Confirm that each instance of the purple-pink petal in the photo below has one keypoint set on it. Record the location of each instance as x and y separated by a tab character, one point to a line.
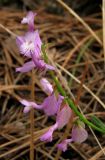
29	19
40	64
38	40
79	133
60	99
64	144
48	136
63	116
19	40
49	67
26	67
51	104
26	109
28	105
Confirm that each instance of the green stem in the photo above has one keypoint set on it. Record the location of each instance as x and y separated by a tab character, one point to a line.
72	105
74	108
68	100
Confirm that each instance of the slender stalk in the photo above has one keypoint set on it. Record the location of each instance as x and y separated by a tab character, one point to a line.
73	107
32	120
68	100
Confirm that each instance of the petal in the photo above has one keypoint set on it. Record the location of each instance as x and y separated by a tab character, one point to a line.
38	63
48	135
38	44
38	39
33	36
49	67
63	116
63	145
26	67
27	109
29	19
30	36
79	134
19	40
46	86
30	103
50	105
25	102
60	99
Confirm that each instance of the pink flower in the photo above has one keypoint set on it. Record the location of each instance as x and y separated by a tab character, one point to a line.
48	135
46	86
29	19
61	120
50	105
79	135
63	145
28	66
30	46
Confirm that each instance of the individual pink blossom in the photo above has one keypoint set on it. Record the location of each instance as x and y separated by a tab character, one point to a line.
64	144
50	105
78	135
30	46
61	120
29	19
28	66
46	86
